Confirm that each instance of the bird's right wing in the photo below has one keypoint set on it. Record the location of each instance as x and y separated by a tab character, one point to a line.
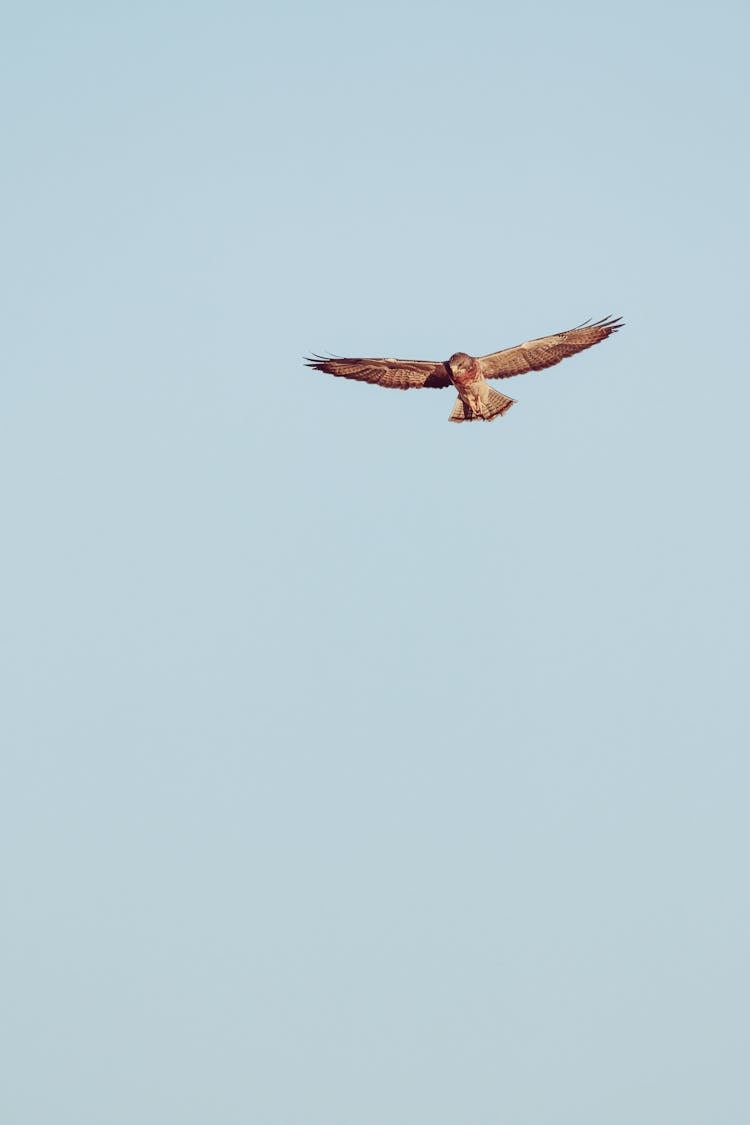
403	374
547	350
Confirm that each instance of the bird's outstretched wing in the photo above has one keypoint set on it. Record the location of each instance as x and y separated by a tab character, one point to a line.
403	374
547	350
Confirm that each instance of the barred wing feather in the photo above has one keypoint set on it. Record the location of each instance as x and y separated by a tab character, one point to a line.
535	355
402	374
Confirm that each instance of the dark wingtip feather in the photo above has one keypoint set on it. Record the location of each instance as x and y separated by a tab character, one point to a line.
610	322
316	361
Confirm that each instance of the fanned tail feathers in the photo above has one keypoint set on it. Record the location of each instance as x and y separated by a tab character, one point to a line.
495	403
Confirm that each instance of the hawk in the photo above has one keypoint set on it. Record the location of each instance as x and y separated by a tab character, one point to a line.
469	374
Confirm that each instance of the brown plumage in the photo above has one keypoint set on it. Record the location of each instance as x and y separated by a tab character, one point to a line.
469	374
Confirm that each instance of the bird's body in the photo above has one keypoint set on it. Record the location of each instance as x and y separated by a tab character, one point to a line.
469	374
476	398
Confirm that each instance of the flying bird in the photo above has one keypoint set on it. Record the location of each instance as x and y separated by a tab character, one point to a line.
469	374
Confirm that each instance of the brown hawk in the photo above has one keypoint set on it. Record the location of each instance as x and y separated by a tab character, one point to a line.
469	374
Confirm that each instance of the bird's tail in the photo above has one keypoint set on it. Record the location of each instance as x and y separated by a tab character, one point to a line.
494	404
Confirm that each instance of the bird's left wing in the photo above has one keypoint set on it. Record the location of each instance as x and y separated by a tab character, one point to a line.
403	374
547	350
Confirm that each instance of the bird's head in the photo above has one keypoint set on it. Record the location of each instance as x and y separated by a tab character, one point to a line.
460	363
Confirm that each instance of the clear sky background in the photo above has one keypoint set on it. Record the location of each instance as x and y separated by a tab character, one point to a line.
359	768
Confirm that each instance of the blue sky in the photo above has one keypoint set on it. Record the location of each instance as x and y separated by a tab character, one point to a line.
359	767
